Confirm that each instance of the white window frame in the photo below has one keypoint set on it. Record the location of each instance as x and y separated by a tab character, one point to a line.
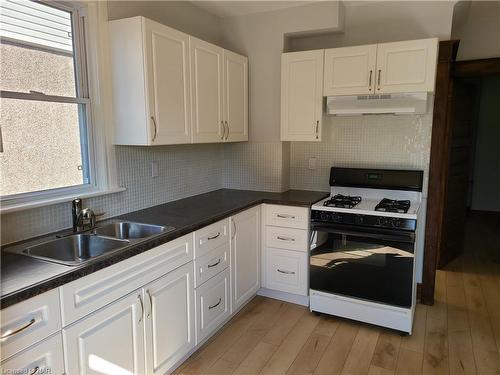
92	73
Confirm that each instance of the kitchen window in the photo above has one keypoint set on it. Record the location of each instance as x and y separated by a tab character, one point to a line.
50	148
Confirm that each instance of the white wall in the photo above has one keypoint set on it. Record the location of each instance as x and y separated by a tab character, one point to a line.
260	37
486	176
181	15
477	25
385	21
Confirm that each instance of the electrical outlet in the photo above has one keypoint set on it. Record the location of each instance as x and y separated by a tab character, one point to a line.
312	163
154	169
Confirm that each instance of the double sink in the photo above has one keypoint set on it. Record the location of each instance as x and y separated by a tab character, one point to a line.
83	247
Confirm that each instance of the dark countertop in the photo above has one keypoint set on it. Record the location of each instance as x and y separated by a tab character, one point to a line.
23	277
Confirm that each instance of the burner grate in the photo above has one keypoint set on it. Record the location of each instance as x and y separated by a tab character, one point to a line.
342	201
391	205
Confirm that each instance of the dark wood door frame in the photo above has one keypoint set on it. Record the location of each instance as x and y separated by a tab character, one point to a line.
447	70
438	167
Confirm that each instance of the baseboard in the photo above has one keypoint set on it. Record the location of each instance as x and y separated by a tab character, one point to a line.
284	296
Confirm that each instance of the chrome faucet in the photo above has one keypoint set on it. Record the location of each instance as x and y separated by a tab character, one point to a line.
81	216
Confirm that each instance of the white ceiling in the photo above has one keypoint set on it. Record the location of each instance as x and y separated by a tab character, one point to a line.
242	7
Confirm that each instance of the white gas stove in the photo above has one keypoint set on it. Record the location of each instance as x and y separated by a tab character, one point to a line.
362	257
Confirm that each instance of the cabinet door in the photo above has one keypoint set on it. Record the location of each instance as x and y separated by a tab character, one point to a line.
301	95
110	341
245	256
207	91
350	70
235	97
167	59
46	357
170	333
408	66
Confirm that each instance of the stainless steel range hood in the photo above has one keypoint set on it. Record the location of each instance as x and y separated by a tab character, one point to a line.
406	103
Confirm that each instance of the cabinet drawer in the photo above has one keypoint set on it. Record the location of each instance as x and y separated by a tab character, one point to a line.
287	271
211	264
287	216
85	295
287	238
30	321
46	357
211	237
212	305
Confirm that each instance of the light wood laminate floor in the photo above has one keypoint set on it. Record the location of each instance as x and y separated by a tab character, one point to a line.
460	334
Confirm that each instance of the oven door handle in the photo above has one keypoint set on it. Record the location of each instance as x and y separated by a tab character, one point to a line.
406	237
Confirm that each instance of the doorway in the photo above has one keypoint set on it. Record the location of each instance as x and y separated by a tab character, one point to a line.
465	161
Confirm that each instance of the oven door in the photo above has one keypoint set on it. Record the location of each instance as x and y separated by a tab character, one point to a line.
369	264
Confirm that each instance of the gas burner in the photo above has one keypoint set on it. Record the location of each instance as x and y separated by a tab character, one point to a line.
391	205
343	201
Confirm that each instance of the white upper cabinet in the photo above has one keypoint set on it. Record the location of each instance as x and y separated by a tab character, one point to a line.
408	66
301	95
235	97
151	83
207	88
171	88
167	61
350	70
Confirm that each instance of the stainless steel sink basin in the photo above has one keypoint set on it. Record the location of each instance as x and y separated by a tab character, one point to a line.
76	249
130	231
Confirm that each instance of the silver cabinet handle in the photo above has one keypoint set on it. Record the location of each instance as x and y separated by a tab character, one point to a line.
156	130
227	125
286	272
217	304
234	227
142	307
283	216
223	130
285	238
378	79
317	128
35	370
370	81
213	237
150	303
11	333
215	264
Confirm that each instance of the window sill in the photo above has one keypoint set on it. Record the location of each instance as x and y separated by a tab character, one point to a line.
14	207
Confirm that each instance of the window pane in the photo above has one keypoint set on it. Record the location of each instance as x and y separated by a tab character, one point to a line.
36	51
42	146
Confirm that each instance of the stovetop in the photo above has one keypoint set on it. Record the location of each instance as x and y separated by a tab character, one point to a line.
395	202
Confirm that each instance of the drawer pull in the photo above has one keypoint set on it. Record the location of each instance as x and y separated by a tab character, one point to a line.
11	333
284	216
35	370
214	237
215	264
286	272
214	306
285	238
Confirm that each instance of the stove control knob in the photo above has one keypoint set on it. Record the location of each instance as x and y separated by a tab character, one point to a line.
396	223
337	218
324	216
359	219
383	221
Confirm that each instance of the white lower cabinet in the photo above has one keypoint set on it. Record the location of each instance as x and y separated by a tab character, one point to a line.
170	331
287	271
245	256
109	341
212	305
46	357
